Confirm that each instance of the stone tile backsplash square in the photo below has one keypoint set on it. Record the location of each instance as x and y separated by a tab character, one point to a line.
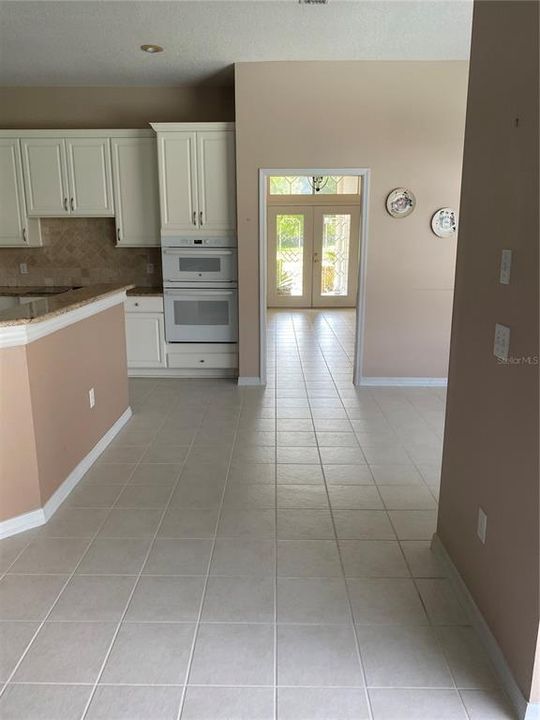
79	251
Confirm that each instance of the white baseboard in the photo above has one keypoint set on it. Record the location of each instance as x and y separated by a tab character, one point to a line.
38	517
403	382
524	709
179	373
247	381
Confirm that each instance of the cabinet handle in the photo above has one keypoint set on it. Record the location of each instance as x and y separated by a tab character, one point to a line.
195	218
200	219
201	361
119	239
65	204
72	204
24	235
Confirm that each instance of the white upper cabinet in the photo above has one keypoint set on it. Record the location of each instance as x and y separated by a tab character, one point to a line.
196	178
15	229
136	192
67	176
89	173
178	181
45	176
216	180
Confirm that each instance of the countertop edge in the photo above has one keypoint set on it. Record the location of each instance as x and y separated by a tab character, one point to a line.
23	330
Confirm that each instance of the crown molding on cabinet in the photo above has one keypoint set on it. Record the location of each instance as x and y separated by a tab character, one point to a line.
105	132
192	127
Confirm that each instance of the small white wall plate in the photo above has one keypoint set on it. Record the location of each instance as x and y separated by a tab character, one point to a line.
400	202
444	222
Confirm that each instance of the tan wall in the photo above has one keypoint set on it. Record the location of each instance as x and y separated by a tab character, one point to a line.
111	107
19	484
491	441
47	426
405	121
63	367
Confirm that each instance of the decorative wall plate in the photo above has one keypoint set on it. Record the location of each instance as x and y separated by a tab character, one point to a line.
444	222
400	202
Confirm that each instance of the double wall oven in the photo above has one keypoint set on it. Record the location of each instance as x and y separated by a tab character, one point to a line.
200	289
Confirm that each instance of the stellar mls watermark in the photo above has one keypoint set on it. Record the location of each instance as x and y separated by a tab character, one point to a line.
519	360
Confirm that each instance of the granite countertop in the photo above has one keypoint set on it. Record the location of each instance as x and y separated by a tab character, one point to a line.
44	309
38	290
140	290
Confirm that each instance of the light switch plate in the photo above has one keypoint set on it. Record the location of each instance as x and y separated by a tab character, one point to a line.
91	397
149	268
481	530
23	268
506	267
501	344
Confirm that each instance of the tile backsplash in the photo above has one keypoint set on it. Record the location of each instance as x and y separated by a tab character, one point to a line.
79	251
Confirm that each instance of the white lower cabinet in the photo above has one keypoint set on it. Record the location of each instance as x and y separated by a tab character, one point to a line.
210	356
148	353
145	332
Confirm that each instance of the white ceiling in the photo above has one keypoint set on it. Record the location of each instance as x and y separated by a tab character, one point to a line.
97	43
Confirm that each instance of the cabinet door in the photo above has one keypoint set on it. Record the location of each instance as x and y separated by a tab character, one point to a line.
216	181
12	210
90	180
45	179
178	181
136	192
145	339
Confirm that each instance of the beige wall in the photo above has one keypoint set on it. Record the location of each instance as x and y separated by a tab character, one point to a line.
47	426
491	441
111	107
405	121
19	484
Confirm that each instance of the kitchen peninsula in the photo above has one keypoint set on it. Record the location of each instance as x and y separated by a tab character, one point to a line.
63	396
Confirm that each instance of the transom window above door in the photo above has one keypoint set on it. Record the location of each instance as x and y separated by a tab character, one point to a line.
314	185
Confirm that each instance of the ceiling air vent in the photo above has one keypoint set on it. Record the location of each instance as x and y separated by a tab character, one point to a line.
313	2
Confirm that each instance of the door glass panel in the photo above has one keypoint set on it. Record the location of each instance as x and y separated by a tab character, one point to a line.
306	185
335	254
201	312
290	255
199	264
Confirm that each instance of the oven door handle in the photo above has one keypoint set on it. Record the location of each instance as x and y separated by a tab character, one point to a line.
203	293
197	251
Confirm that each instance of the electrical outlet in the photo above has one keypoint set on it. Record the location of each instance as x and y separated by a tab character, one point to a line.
506	267
482	525
23	268
501	344
149	268
91	397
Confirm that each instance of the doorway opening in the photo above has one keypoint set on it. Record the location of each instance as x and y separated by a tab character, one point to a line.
313	242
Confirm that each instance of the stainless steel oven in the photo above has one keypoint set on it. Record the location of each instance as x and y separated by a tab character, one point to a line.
201	314
201	265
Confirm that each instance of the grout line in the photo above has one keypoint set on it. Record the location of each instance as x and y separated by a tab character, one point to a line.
139	575
70	576
208	568
344	577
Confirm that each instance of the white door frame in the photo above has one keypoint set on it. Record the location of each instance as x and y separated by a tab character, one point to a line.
364	173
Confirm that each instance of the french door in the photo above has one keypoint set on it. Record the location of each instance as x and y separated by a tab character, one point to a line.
313	255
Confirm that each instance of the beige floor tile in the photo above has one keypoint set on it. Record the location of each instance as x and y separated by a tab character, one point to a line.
134	703
319	655
416	705
66	652
322	703
43	702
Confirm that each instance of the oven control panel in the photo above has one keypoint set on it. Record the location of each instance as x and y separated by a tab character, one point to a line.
211	242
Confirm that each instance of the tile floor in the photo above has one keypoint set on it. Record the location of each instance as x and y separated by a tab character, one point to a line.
249	554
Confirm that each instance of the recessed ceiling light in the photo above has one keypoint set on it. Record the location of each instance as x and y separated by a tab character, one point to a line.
151	49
